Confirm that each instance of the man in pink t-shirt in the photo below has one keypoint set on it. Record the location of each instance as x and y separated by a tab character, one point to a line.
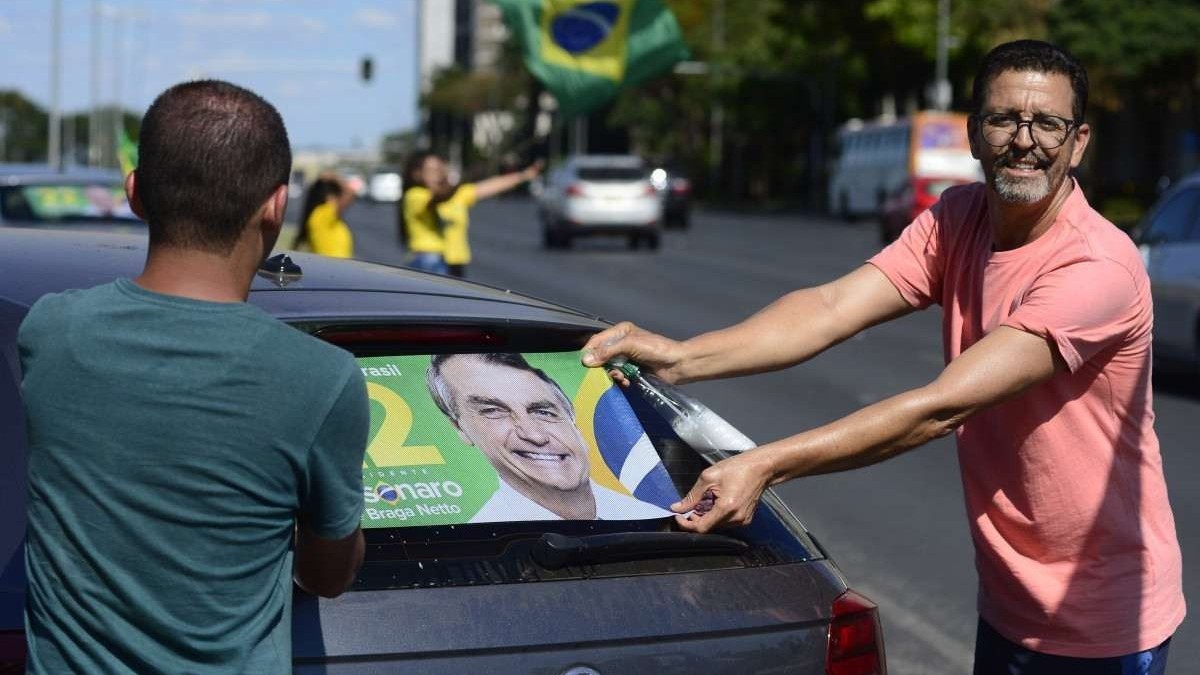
1047	329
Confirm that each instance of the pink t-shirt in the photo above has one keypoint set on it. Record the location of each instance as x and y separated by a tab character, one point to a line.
1074	538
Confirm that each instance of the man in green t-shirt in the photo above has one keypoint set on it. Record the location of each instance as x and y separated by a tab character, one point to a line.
170	483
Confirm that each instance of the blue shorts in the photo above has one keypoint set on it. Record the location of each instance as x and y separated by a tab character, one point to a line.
995	655
429	262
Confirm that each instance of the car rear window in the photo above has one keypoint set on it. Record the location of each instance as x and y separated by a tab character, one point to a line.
437	510
504	437
65	203
613	174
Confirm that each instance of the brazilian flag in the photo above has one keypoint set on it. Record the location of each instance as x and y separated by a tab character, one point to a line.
584	51
127	150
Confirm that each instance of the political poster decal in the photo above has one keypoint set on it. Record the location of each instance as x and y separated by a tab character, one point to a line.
476	438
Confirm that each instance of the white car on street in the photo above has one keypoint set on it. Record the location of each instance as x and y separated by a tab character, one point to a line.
600	194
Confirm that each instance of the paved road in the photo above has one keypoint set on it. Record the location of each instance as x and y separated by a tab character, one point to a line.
898	530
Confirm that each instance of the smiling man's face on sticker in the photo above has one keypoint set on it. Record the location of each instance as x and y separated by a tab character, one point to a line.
523	424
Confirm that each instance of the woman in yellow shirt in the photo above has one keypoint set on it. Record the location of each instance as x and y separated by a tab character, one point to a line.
434	213
321	226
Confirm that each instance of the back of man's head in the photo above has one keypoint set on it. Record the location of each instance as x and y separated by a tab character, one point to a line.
1032	56
209	154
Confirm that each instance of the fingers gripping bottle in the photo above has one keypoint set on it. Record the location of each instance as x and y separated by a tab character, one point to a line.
695	423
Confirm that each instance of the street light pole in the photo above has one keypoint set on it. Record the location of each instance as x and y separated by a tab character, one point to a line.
94	86
118	118
716	129
942	75
54	141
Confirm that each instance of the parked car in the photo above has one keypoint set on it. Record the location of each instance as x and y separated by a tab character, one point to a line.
33	195
501	597
600	194
384	185
1169	238
904	205
676	192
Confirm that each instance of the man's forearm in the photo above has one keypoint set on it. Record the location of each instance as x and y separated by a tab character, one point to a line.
1004	364
790	330
870	435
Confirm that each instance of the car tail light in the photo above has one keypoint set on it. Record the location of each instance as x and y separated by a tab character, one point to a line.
855	638
422	336
681	185
575	190
12	651
649	191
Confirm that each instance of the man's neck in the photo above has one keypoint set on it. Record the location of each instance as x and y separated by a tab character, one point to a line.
1015	225
197	275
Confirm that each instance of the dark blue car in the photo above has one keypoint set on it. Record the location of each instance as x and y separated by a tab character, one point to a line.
441	593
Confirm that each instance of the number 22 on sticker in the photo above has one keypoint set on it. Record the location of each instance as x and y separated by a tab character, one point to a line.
387	448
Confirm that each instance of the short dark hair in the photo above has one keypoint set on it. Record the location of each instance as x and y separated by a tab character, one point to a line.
209	154
1031	56
444	400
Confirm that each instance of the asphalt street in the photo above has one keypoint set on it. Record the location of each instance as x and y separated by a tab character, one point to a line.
898	530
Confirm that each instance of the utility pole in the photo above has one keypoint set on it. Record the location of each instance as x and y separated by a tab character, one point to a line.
942	74
716	129
94	89
118	118
54	142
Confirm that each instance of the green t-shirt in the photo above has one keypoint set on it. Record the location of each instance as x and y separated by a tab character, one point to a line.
172	444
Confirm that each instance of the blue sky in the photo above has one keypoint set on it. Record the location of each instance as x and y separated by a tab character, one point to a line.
302	55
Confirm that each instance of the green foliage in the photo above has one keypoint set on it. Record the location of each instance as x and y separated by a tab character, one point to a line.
466	93
24	125
788	72
1153	43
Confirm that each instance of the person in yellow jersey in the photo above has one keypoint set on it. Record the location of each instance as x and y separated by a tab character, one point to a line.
434	214
322	229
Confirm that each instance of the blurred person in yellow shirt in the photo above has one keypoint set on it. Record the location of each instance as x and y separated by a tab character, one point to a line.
322	229
434	214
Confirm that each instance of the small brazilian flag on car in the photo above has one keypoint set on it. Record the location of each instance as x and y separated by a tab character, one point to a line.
584	51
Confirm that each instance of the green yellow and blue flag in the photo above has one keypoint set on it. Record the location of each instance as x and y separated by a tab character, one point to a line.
584	51
127	151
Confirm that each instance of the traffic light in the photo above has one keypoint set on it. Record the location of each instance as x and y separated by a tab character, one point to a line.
365	68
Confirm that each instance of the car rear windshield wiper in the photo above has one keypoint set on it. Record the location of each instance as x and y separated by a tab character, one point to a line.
555	551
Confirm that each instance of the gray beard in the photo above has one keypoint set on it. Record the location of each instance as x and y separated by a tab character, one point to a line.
1021	190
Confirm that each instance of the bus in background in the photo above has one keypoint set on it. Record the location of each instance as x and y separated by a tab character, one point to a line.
927	150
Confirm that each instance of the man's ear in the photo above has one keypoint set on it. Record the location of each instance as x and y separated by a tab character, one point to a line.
972	134
1082	135
131	193
275	208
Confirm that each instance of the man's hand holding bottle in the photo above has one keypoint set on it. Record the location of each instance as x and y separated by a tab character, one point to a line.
656	354
727	493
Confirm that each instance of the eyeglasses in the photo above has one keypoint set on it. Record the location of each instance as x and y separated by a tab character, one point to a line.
1048	131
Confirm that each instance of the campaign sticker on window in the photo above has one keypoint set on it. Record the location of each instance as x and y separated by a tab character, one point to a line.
480	438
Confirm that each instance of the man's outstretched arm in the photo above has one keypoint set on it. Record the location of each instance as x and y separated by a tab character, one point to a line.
790	330
1000	366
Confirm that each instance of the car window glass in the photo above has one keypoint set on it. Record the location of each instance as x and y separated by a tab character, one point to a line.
50	203
486	438
1176	219
611	173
